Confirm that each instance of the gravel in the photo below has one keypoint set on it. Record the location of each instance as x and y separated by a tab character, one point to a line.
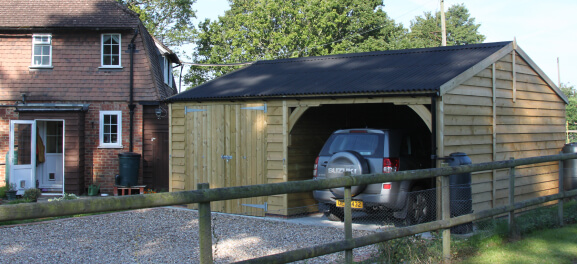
162	235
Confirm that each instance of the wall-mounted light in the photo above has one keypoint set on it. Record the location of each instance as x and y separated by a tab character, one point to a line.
160	112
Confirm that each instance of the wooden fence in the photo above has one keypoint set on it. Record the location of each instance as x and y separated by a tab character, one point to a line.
204	196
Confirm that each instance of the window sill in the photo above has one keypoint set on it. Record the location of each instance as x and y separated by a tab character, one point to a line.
110	147
41	67
110	68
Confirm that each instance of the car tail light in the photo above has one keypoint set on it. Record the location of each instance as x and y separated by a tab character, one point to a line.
358	131
386	186
390	165
316	168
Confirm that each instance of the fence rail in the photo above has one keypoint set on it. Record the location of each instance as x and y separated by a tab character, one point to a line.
205	196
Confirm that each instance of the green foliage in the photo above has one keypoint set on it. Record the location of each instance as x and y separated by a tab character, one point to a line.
66	196
266	29
490	234
413	249
3	191
570	109
460	26
19	201
32	194
170	21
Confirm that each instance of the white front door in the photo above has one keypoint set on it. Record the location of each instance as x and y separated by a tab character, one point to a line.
22	154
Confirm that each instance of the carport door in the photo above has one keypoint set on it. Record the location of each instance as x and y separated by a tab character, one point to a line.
225	147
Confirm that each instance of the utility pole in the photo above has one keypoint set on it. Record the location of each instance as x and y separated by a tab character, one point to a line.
558	73
443	27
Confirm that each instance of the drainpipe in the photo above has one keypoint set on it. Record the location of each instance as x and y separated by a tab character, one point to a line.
131	105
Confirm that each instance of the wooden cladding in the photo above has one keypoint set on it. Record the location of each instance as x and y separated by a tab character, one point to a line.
505	111
223	145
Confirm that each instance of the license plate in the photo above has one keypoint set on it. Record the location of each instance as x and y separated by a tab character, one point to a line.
354	204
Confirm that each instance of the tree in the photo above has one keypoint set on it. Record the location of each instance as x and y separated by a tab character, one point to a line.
269	29
461	28
170	21
570	109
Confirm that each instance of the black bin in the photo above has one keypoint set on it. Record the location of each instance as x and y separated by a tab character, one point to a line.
461	201
570	168
128	162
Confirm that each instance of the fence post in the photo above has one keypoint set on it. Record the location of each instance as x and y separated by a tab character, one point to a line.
348	221
512	225
204	229
446	211
561	190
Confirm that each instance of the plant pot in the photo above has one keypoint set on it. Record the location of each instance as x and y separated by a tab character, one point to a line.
11	195
93	190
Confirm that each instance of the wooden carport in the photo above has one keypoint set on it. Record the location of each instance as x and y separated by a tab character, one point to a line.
265	123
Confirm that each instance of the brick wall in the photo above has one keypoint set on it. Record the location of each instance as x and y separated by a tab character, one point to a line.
101	164
6	114
77	78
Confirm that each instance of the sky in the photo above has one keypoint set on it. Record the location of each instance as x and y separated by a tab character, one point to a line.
545	29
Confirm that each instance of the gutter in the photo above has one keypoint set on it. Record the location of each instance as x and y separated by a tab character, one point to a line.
296	97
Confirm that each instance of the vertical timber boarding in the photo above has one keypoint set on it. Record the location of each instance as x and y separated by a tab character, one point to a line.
220	144
491	119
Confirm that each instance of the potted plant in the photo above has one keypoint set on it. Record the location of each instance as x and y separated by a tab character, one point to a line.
11	193
32	194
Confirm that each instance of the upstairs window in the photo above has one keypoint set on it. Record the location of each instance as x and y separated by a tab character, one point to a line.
111	50
41	50
167	68
110	129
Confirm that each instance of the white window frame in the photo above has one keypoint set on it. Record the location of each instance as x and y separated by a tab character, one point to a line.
167	71
37	40
117	144
102	65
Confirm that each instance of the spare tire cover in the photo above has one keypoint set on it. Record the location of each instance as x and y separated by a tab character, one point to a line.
346	161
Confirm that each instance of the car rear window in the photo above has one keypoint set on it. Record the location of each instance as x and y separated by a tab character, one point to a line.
364	144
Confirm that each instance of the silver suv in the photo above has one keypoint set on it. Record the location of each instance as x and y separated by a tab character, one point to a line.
364	151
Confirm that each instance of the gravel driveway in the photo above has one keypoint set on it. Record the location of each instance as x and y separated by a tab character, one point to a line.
161	235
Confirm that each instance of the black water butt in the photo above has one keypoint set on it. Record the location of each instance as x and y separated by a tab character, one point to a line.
129	163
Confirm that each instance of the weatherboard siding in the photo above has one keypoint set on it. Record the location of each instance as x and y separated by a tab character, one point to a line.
528	122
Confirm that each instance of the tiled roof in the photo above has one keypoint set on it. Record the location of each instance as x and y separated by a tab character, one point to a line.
156	59
398	71
32	14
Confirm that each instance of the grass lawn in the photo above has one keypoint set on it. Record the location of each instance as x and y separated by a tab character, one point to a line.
557	245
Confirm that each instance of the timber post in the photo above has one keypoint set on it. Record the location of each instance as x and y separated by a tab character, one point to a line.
348	221
512	225
561	191
205	228
446	212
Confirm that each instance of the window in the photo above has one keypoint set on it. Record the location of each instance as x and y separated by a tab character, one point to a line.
167	68
111	50
42	50
110	129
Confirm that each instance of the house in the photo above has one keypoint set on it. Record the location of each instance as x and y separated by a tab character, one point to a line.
266	123
81	81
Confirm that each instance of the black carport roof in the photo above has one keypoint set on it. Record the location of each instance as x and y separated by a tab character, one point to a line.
382	72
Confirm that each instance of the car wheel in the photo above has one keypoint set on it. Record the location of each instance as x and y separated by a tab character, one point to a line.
346	161
419	209
334	214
